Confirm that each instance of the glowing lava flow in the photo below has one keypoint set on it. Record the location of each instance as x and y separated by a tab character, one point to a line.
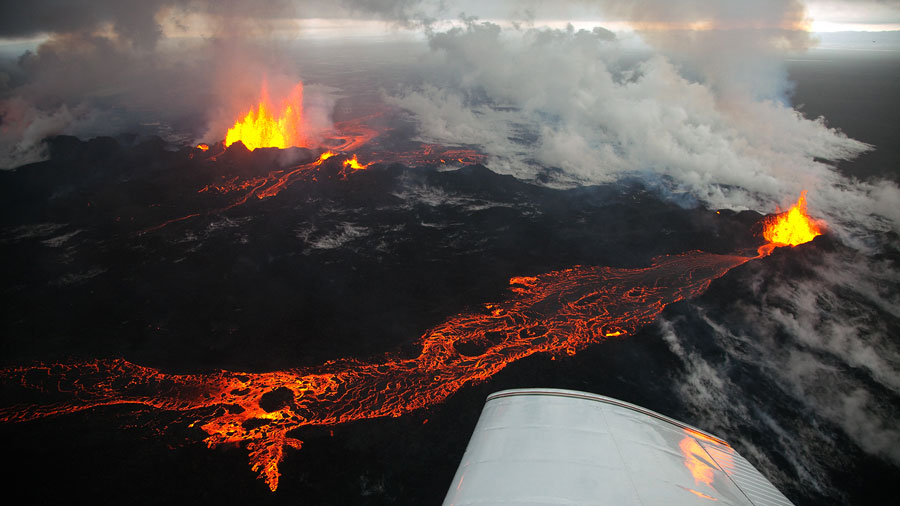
285	179
277	180
268	128
350	135
261	129
557	312
790	228
261	187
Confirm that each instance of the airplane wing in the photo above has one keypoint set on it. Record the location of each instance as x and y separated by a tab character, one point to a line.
562	447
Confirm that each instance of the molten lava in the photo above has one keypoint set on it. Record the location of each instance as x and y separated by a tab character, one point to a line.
268	127
354	164
350	135
285	179
560	312
790	228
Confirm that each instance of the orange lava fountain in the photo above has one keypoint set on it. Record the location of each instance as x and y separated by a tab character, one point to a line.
790	228
560	312
354	164
269	128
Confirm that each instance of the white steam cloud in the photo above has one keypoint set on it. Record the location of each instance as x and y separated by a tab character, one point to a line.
565	99
108	67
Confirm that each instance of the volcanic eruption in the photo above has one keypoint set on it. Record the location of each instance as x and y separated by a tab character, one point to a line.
270	126
559	312
202	249
790	228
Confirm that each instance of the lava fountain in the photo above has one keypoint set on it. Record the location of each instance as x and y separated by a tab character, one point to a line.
354	163
271	127
790	228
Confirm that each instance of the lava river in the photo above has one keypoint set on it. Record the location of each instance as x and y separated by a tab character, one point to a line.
559	312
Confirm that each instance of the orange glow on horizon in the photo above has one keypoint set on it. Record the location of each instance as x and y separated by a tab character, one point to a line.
268	127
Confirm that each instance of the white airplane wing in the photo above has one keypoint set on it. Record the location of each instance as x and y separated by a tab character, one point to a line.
562	447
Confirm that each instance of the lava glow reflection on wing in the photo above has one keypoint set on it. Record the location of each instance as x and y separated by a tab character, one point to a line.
555	313
697	460
268	127
701	464
701	494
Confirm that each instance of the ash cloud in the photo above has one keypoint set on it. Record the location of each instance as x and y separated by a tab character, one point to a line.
732	45
133	21
87	85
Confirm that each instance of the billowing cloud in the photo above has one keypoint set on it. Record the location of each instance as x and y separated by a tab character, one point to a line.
111	69
563	98
707	117
135	21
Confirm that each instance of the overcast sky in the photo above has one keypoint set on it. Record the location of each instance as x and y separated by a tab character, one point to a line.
147	20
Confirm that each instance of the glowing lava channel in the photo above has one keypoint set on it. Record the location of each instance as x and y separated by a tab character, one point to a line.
269	128
560	312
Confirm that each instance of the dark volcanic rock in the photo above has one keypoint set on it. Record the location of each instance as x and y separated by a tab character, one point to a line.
276	399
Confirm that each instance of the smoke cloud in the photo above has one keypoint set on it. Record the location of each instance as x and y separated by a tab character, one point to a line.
732	45
707	119
132	21
177	68
708	116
